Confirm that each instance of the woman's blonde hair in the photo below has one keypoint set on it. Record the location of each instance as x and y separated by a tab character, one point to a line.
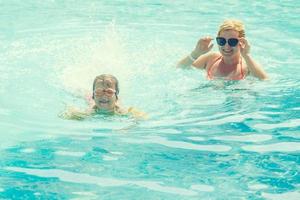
232	24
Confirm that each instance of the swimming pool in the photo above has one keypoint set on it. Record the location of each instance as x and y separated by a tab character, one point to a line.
204	140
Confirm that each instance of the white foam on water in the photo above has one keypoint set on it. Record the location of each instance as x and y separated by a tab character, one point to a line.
167	189
281	147
288	196
170	131
231	119
82	138
69	176
69	153
203	188
27	150
109	158
196	138
116	152
257	186
91	57
288	124
289	133
297	108
245	138
83	195
100	181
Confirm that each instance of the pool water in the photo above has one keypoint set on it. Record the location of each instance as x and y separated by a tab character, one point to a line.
203	139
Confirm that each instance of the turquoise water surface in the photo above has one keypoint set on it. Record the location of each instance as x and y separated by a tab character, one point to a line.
203	139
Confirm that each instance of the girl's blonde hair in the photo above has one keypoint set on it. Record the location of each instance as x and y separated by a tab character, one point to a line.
232	24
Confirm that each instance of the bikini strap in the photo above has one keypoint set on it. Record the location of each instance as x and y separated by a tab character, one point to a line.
209	76
242	72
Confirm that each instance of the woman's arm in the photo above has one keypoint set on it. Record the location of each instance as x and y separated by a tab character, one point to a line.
203	46
255	69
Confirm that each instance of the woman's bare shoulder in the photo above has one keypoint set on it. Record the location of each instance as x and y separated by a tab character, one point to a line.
210	57
214	55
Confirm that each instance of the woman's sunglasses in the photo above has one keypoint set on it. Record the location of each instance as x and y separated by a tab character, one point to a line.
231	41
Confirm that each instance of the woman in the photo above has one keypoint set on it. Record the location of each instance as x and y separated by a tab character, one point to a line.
233	62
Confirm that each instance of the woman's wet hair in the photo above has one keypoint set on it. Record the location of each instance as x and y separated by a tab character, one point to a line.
102	77
232	24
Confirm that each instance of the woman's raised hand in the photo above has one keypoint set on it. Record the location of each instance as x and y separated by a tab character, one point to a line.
203	46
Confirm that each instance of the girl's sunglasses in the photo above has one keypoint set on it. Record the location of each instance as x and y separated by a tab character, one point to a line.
231	41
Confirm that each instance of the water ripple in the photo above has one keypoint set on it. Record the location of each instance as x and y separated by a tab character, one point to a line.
245	138
100	181
178	144
281	147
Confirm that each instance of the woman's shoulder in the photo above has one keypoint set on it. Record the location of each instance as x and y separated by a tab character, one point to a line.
214	55
211	57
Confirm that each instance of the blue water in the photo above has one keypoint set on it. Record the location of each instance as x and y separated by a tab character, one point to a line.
203	139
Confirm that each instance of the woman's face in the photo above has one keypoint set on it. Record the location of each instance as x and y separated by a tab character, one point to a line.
105	94
228	50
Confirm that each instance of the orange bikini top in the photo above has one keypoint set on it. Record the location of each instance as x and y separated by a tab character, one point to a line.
211	77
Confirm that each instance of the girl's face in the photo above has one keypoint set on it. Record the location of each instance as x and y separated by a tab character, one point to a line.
105	94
